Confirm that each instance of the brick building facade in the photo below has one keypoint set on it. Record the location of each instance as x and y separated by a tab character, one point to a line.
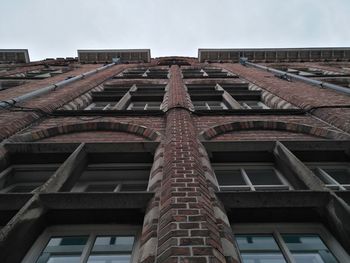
115	156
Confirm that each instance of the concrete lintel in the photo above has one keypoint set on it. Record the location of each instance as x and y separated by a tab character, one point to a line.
76	201
275	199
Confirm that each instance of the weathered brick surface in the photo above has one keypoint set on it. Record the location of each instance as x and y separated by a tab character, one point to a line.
300	126
66	128
185	228
37	84
184	221
300	94
50	101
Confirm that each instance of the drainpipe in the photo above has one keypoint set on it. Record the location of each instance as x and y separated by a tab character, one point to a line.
321	84
11	102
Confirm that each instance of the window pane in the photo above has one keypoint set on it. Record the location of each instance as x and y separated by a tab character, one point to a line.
232	177
200	108
308	249
113	243
198	103
109	259
63	249
263	177
63	259
259	249
342	176
214	103
111	249
262	258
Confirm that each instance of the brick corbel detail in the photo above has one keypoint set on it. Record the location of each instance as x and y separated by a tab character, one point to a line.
187	229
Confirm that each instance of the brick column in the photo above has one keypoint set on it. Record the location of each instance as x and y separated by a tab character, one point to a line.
187	230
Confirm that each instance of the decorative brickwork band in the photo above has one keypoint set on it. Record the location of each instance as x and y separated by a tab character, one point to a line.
88	126
272	125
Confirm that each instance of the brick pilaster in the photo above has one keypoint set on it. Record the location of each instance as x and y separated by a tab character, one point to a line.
187	230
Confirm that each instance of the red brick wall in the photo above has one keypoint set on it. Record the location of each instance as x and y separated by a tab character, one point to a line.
13	121
300	94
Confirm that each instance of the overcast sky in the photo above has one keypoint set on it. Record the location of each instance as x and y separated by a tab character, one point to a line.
57	28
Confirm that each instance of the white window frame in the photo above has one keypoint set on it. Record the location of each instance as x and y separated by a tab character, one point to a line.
249	186
92	231
259	103
108	106
208	106
82	183
83	186
276	229
145	107
332	183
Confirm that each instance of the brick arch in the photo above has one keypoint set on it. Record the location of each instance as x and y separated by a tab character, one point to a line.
139	130
271	125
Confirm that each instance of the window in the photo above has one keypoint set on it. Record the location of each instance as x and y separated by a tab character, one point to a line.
134	97
282	243
249	177
209	105
335	176
114	177
101	106
253	104
39	74
225	96
88	244
206	73
144	105
151	73
25	178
